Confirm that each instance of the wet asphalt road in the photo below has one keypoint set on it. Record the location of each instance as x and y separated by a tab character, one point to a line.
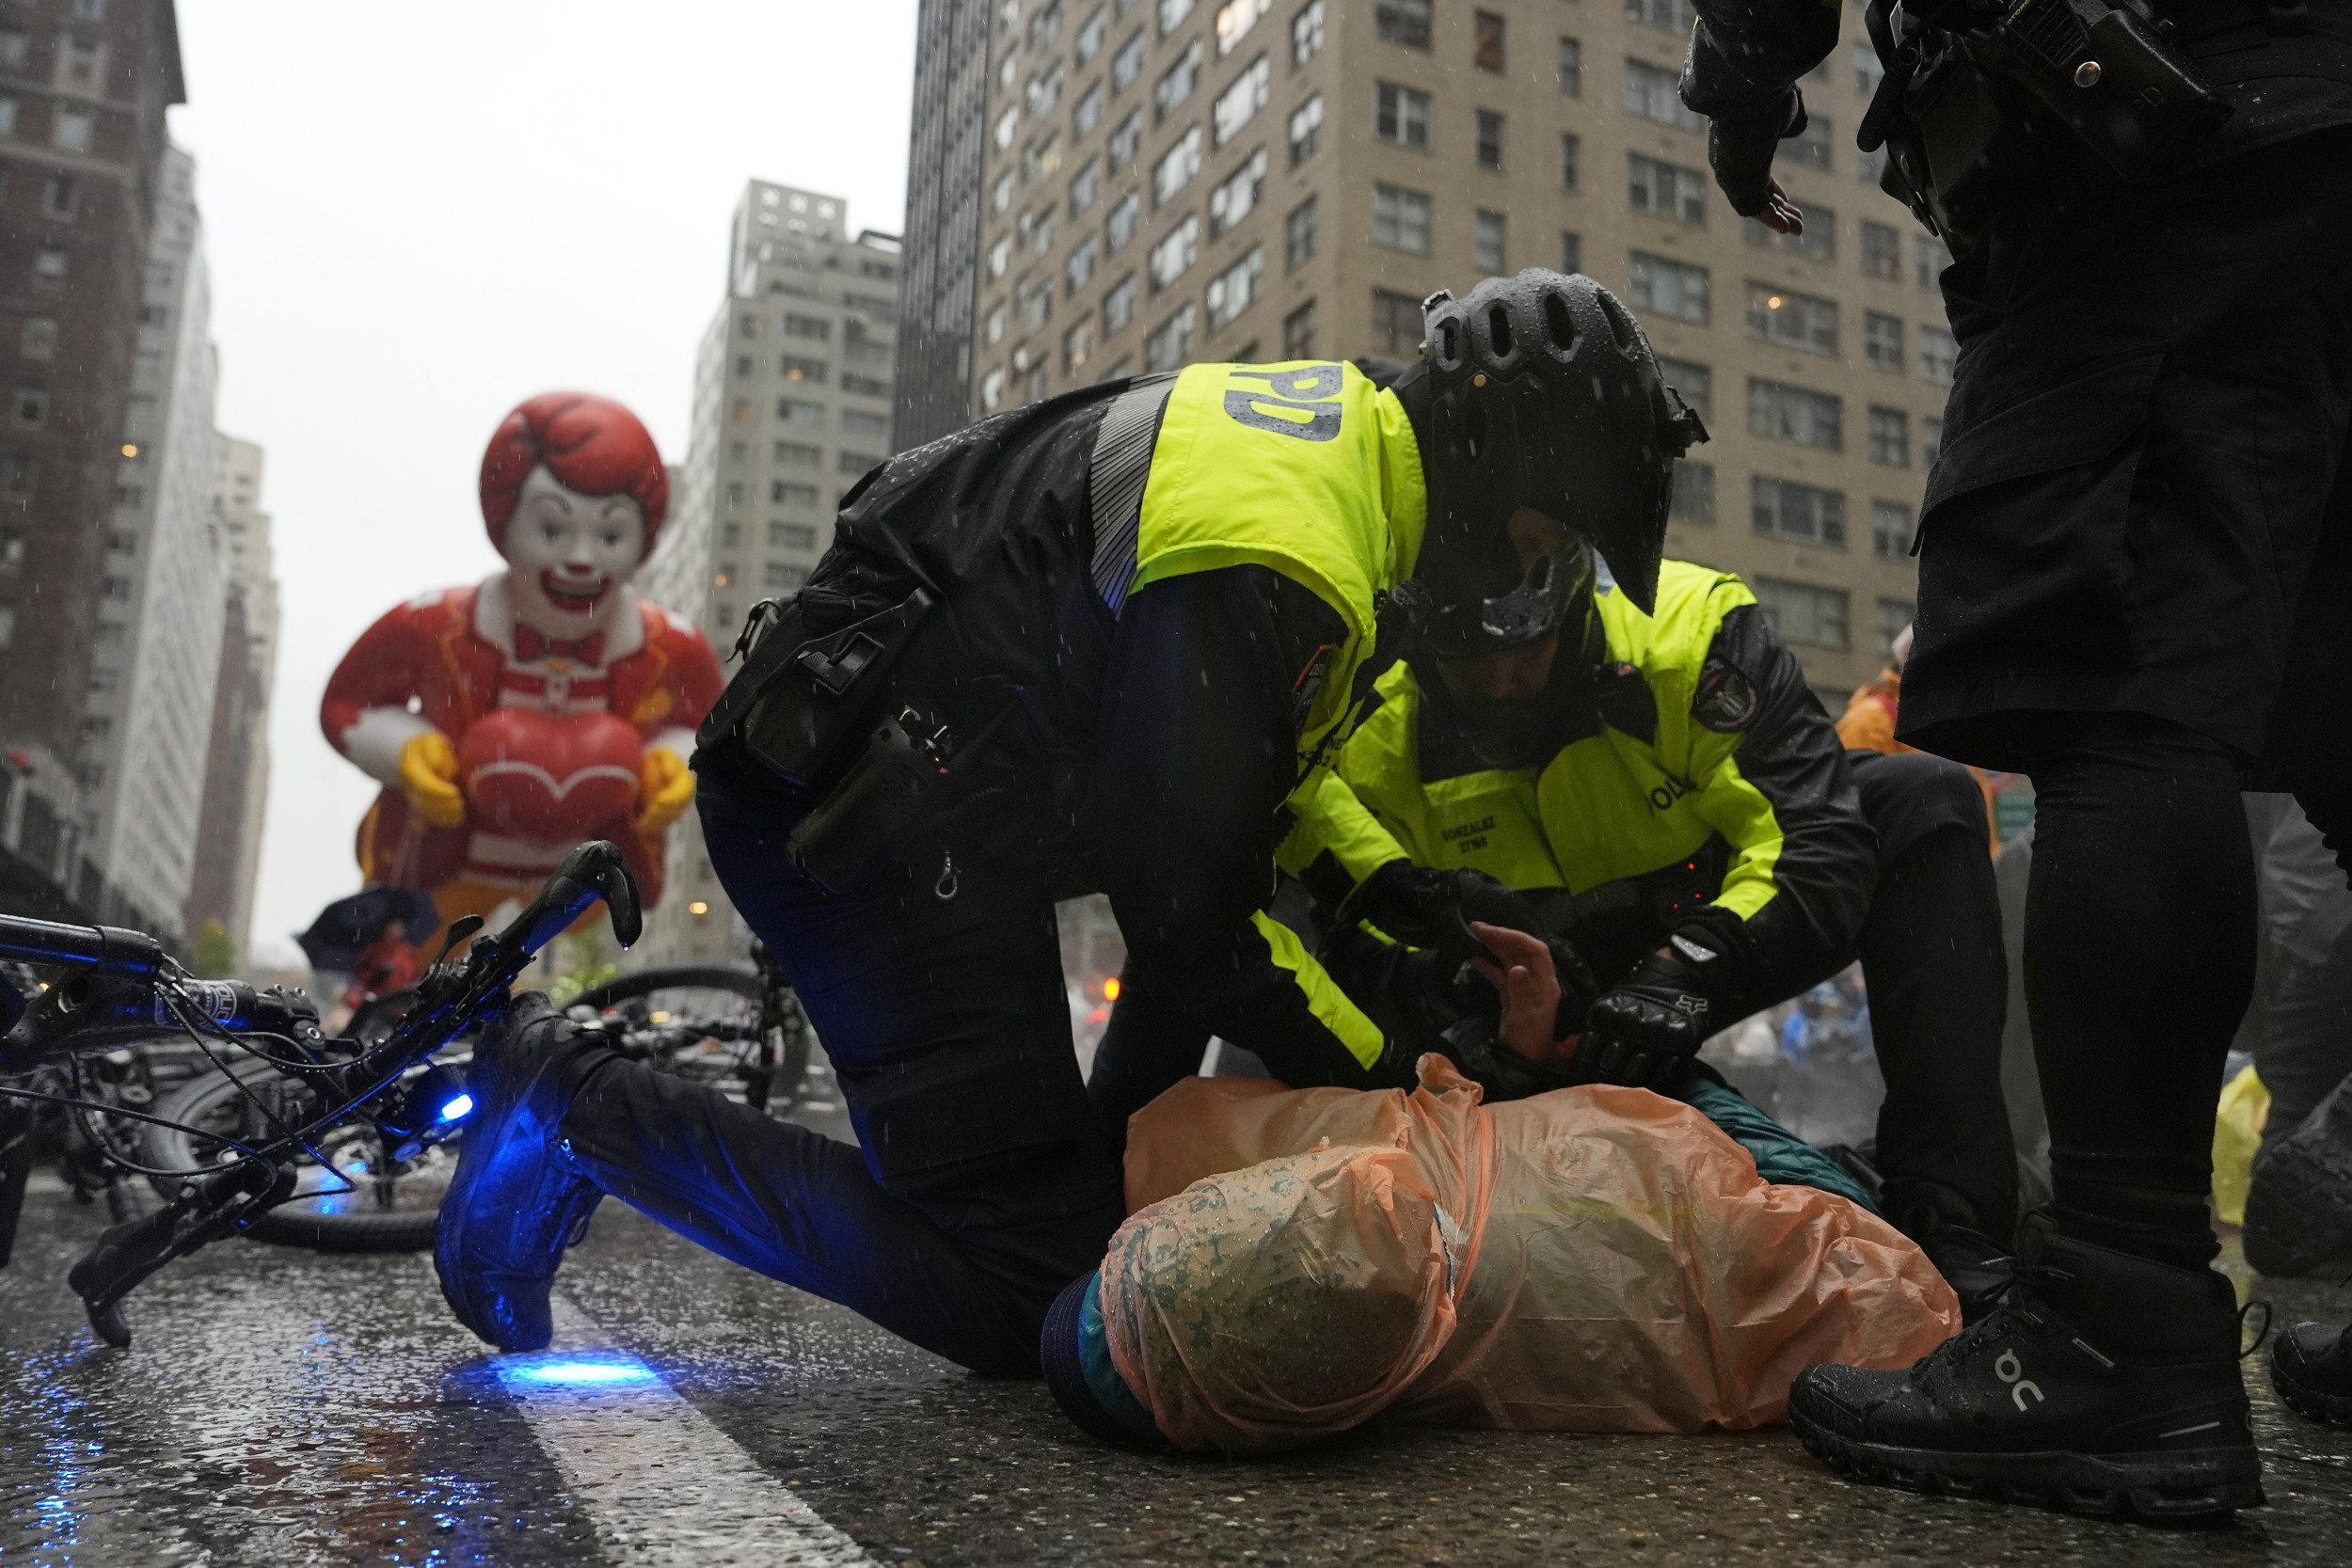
280	1407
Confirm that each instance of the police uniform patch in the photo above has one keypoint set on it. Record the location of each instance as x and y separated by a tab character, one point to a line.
1727	701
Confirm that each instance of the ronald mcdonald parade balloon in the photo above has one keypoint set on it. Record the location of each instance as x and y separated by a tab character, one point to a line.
511	720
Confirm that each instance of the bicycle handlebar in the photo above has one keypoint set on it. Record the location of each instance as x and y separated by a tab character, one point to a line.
108	949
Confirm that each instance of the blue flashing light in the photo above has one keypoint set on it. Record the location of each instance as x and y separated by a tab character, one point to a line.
580	1373
457	1108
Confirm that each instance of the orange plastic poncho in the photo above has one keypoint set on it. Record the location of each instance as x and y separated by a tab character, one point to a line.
1593	1260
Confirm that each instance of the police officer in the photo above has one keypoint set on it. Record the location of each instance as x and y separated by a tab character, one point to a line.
1096	642
2136	575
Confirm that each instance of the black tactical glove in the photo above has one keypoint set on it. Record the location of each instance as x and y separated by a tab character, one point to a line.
1424	908
1645	1031
1741	152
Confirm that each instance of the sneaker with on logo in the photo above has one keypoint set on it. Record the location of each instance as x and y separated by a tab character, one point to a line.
2104	1383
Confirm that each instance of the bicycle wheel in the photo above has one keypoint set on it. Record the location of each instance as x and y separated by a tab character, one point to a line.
357	1201
712	1023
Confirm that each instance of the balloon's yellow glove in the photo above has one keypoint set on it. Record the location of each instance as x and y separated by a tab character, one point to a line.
665	788
428	776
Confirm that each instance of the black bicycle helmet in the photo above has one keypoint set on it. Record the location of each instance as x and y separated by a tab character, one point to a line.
1543	393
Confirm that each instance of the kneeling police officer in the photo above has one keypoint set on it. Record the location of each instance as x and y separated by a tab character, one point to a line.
2136	587
1093	643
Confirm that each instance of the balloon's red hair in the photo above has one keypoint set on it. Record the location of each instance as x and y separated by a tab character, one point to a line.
592	444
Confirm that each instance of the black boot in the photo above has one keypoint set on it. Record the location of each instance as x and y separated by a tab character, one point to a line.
2299	1209
2104	1383
2311	1368
1946	1227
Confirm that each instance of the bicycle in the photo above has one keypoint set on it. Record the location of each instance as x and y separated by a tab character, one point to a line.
120	986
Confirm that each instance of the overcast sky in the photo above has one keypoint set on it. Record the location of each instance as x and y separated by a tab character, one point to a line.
416	215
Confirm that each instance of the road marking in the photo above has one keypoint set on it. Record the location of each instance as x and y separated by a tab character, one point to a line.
662	1486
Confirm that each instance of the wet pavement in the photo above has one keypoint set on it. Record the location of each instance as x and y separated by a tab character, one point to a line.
283	1407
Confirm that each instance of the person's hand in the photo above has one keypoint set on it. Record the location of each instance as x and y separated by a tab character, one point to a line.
1425	908
1521	968
1741	153
665	788
428	777
1645	1031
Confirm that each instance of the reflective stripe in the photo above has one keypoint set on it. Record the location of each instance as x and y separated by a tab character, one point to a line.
1329	1005
1115	482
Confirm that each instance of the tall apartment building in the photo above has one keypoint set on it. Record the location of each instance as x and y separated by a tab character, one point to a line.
147	728
1166	181
83	88
792	405
236	772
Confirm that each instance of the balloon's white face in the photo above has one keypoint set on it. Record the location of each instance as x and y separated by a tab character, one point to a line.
566	553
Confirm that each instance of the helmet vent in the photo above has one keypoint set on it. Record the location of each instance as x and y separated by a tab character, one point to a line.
1449	345
1499	328
1561	324
1620	321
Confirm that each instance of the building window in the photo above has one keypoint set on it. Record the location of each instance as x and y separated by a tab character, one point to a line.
1000	196
1871	167
1819	243
1006	124
1128	63
1794	320
15	47
1305	130
70	130
1171	345
1307	37
992	391
1798	415
1804	513
1084	189
1119	227
1089	114
1400	219
1882	340
29	408
993	326
1810	146
1667	15
1488	244
1890	437
1404	22
19	475
1033	302
856	463
1654	93
813	328
1123	141
1489	140
1667	287
1119	305
115	588
1930	438
39	340
1298	333
1401	115
1044	91
7	626
1931	258
1077	271
1695	382
1040	159
1077	347
778	574
1571	67
1866	68
1175	253
1298	236
1176	167
1669	190
1177	82
1091	32
1236	289
1487	41
7	116
1238	104
799	454
1693	492
60	197
1895	618
1890	533
1396	323
1236	198
1937	353
49	265
1571	154
1802	614
1571	251
1234	21
1882	250
800	411
1172	12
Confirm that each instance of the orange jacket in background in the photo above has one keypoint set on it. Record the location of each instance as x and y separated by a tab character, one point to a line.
1868	726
